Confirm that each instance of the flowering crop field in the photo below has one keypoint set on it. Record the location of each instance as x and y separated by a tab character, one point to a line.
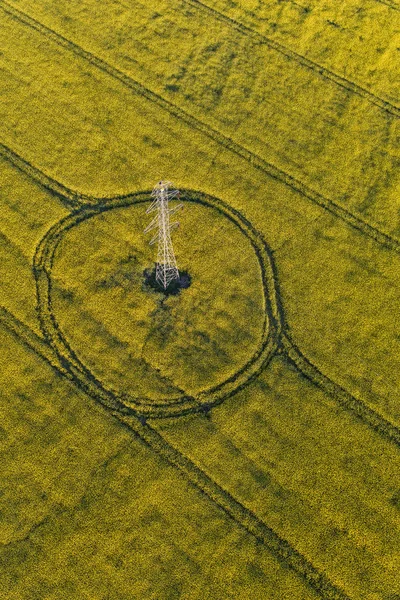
239	439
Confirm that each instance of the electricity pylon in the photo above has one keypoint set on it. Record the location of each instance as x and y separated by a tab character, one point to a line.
166	268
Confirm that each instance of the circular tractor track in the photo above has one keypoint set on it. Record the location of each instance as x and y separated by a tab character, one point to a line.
141	406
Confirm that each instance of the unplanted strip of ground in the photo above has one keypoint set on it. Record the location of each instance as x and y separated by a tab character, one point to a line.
329	138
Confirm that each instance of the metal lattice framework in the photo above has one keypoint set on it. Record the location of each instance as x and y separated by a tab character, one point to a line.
166	268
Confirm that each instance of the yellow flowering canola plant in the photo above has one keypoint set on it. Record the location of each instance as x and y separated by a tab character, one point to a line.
239	439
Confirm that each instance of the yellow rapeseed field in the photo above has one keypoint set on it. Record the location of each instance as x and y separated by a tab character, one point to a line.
239	439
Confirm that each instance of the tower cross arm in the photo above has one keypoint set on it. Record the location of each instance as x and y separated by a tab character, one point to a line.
175	208
152	225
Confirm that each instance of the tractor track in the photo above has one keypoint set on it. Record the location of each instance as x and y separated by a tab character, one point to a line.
356	222
339	80
70	198
361	410
219	496
43	263
31	340
87	384
390	4
241	515
278	546
277	318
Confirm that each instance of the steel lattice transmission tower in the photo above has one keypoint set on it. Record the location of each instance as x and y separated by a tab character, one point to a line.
166	268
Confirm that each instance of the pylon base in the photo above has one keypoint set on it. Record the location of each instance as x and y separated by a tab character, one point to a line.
174	286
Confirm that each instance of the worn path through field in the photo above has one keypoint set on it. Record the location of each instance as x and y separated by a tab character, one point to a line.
305	366
280	341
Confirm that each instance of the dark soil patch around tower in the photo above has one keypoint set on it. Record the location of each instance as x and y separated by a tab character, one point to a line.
174	287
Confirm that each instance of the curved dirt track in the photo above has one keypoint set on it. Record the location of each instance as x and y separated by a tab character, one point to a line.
143	407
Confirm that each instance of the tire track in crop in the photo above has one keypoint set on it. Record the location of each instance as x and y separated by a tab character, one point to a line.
390	4
278	546
339	80
380	237
31	340
362	411
373	419
143	407
243	516
70	198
